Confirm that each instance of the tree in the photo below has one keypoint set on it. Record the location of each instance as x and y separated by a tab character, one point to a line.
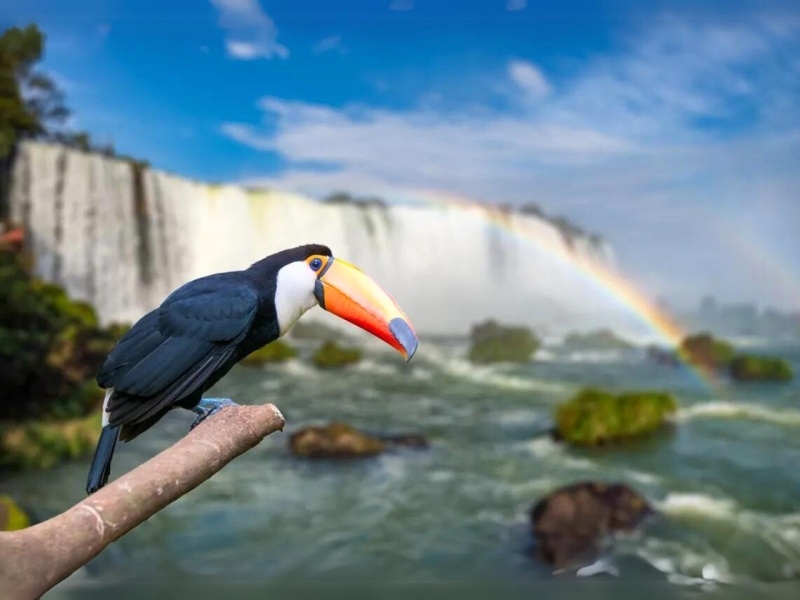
31	104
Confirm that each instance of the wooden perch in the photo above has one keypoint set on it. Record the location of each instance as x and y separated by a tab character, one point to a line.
34	560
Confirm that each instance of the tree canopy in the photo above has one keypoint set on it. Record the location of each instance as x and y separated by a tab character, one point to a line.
31	104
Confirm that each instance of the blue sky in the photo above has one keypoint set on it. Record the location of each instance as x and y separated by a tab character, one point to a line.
672	128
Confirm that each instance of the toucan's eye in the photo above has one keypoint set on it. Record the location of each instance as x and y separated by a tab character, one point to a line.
316	264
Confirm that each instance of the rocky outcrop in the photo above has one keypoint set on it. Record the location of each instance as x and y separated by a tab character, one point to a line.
569	522
492	342
336	440
594	417
274	352
331	355
760	368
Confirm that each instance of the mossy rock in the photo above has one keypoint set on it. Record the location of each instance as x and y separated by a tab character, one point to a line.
332	355
492	342
704	350
274	352
602	339
594	417
12	517
313	330
337	440
43	444
760	368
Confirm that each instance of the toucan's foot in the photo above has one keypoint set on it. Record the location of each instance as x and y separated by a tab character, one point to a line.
209	406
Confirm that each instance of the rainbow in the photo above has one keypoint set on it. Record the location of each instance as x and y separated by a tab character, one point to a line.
614	285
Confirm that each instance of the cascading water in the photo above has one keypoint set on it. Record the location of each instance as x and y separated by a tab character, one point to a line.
123	237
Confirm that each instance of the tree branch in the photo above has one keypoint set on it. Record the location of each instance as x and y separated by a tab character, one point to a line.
34	560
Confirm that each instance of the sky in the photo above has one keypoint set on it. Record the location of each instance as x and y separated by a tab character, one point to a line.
670	128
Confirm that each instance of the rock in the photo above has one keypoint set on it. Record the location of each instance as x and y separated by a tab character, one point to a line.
570	521
663	356
408	440
274	352
703	350
593	417
12	517
760	368
601	339
336	440
332	355
492	342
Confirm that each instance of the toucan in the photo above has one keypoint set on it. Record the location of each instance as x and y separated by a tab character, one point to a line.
176	352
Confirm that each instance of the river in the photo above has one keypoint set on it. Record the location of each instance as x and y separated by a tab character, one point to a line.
451	520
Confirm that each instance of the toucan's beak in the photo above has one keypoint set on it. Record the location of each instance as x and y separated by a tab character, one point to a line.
347	292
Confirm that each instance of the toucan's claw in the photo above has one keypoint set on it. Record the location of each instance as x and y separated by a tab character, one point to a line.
209	406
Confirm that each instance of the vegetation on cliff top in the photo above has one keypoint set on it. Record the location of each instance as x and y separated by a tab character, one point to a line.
749	367
492	342
31	104
593	417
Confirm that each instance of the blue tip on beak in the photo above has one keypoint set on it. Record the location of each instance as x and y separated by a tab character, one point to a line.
404	335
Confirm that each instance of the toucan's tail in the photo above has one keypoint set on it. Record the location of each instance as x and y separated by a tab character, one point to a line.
101	463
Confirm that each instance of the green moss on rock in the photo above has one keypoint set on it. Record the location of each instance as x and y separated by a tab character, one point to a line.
332	355
275	352
492	342
704	350
43	444
596	417
760	368
12	517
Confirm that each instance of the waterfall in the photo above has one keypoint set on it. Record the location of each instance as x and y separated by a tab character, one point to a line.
123	237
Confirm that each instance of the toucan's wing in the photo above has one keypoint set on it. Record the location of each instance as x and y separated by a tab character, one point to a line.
174	349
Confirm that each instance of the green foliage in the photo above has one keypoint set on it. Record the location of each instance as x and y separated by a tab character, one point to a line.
332	355
12	517
760	368
275	352
43	444
595	417
31	104
704	350
602	339
492	342
50	347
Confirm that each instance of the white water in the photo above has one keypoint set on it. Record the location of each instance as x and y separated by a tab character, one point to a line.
447	267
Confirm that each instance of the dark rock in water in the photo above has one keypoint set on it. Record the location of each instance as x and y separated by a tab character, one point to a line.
662	356
409	440
749	367
336	440
569	522
492	342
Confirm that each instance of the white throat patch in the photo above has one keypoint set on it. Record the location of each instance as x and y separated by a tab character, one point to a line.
294	293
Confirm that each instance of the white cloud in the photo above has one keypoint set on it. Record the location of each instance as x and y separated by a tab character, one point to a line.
530	78
251	33
516	4
332	42
629	145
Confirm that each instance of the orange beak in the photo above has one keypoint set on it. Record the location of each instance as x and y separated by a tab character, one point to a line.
344	290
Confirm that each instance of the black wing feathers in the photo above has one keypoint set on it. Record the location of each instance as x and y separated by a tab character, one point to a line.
172	351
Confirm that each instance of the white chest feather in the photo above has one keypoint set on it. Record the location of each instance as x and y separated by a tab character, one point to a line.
294	294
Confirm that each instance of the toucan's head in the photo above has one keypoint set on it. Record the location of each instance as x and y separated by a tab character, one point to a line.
309	275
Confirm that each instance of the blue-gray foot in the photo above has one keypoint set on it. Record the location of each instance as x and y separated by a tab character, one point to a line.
209	406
